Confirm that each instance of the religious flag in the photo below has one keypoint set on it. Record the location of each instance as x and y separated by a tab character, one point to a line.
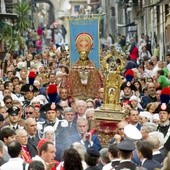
91	27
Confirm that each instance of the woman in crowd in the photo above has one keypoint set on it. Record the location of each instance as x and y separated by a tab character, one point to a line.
72	160
138	90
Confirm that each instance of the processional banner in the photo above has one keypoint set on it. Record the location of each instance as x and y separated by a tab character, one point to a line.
85	25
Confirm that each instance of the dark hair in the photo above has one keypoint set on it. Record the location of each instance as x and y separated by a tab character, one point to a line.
6	98
160	72
6	84
13	78
14	149
141	66
140	86
50	64
151	63
113	149
91	160
143	79
6	132
36	165
150	78
72	160
145	148
65	68
125	154
44	147
10	72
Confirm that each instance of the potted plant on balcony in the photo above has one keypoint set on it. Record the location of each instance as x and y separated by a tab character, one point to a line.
12	33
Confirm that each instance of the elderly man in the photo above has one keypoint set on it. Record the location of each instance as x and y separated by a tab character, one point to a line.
22	138
87	139
31	128
147	128
151	95
134	118
69	115
90	115
120	135
81	108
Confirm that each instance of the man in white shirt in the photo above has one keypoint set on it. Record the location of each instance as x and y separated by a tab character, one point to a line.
15	162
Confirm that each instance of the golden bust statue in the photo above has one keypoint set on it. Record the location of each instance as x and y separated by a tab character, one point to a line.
84	79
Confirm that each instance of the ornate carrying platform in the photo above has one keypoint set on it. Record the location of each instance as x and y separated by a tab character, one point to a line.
105	123
105	120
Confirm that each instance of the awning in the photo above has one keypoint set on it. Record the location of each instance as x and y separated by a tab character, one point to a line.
127	25
160	2
8	16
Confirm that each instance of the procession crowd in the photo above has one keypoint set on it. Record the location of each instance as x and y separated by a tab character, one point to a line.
42	127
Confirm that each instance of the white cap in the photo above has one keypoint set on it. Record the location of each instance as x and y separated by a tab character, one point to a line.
146	114
42	99
35	99
155	117
134	98
48	129
132	132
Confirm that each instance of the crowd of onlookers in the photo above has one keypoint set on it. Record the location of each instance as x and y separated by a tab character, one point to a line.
39	132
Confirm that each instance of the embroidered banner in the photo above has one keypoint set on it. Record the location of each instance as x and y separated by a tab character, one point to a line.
90	26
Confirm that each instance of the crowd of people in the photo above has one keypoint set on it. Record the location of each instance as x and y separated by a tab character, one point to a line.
44	128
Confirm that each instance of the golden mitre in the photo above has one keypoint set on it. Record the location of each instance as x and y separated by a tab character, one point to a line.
84	42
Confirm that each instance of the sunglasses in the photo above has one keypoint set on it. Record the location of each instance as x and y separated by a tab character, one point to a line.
8	102
28	113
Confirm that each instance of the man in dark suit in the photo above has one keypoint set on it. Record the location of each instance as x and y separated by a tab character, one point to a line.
134	118
33	139
145	154
126	147
155	142
69	115
87	139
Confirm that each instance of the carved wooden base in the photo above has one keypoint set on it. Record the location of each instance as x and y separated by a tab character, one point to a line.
105	123
111	107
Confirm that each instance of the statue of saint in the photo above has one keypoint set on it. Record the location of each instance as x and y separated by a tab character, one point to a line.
84	79
3	7
112	96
